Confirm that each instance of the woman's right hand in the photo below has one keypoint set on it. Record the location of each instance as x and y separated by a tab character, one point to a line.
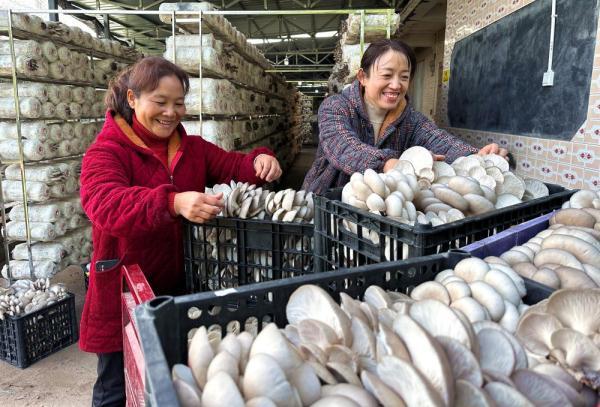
198	207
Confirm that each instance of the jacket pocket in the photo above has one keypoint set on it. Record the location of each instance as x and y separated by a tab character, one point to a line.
107	289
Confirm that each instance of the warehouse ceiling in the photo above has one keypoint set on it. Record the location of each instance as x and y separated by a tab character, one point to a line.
300	46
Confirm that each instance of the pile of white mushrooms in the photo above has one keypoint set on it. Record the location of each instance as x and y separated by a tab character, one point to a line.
567	254
26	296
481	291
389	350
246	201
440	193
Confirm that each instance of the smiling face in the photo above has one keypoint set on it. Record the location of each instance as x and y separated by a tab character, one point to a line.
161	109
387	81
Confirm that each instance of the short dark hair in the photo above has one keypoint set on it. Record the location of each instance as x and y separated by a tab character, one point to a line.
380	47
142	76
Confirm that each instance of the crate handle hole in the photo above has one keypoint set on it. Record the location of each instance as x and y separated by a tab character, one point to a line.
194	313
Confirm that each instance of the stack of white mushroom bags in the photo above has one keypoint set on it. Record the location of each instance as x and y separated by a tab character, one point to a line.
348	53
389	350
443	193
60	231
242	105
567	254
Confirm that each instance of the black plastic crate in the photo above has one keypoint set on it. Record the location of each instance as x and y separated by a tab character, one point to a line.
164	324
378	238
230	252
26	339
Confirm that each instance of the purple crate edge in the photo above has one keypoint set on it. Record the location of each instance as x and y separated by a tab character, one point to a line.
497	244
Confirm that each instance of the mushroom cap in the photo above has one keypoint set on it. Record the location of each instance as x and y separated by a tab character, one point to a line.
505	395
355	393
467	394
463	363
526	269
478	204
471	269
538	389
514	276
457	290
472	309
264	377
189	394
559	373
535	330
200	354
427	356
223	362
409	383
363	339
510	319
221	390
573	217
419	157
335	401
306	381
547	277
431	290
465	186
388	343
374	182
377	297
504	285
580	351
520	353
311	301
272	342
574	278
489	298
576	309
439	320
496	352
317	333
260	402
386	396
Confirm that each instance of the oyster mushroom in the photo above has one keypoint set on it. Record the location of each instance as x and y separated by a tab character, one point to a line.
431	290
463	363
355	393
539	390
264	377
409	383
427	356
467	394
471	269
306	381
489	298
506	396
496	352
317	333
260	402
200	354
335	401
580	351
270	341
221	391
310	301
576	309
377	297
223	362
439	320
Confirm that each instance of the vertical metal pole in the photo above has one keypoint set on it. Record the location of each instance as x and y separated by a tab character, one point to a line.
4	235
173	15
20	143
200	69
362	32
53	5
388	31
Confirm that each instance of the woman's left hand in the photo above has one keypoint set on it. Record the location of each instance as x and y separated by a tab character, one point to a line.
493	149
267	167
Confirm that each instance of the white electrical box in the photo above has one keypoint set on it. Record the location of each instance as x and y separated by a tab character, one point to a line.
548	79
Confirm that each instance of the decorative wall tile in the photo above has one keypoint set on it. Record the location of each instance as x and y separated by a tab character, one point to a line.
570	176
518	145
559	151
591	179
546	170
537	148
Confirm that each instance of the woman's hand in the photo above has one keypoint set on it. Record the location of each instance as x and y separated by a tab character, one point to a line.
267	167
198	207
493	149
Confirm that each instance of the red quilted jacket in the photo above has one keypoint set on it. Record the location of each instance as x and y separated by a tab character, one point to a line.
124	192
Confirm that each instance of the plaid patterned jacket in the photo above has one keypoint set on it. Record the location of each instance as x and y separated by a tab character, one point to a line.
347	143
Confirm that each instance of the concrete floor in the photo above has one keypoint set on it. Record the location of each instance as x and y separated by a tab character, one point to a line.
64	378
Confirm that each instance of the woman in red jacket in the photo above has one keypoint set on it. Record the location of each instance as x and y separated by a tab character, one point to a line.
140	176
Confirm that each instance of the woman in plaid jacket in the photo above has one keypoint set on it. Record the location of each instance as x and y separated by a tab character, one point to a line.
370	123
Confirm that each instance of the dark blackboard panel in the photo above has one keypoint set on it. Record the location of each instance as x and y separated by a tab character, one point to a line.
496	73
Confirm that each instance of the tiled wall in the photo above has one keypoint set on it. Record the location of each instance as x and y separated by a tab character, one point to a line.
574	164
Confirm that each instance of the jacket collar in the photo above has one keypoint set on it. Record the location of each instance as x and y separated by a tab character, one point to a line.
123	133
